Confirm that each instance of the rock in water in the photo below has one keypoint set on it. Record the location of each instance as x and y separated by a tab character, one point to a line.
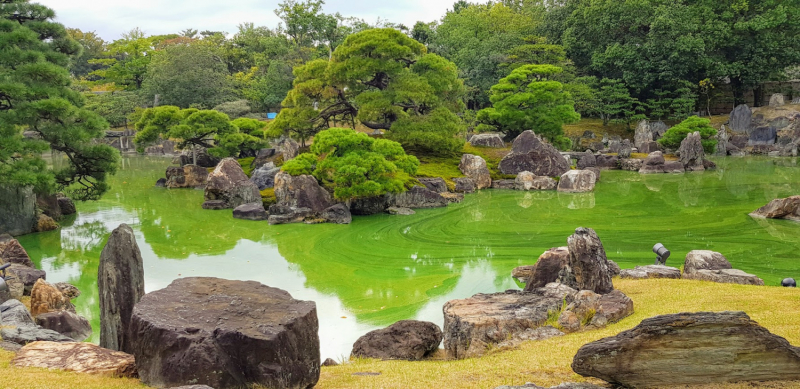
690	348
301	192
487	140
436	184
577	181
250	211
337	213
529	153
225	334
788	208
475	168
120	283
188	176
417	197
529	181
66	205
548	268
77	357
464	185
47	298
741	120
229	183
17	210
587	260
410	340
691	152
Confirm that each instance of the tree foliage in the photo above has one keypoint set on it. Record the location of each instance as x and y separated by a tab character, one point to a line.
677	133
35	96
114	107
355	165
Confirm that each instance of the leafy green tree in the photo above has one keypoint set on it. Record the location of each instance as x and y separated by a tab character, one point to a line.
93	47
250	126
234	109
677	133
125	62
616	103
528	99
186	75
355	165
267	90
114	107
35	96
434	133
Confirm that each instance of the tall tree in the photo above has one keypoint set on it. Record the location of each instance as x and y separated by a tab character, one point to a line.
35	96
93	47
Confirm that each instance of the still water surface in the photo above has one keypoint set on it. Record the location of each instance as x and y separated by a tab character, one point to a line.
381	269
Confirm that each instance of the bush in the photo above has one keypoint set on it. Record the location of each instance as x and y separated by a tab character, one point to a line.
429	134
234	109
674	136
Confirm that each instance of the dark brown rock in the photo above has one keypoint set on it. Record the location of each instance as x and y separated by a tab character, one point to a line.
504	184
48	204
587	260
689	349
250	211
369	205
301	192
66	323
410	340
436	184
548	268
264	176
66	205
522	273
337	213
120	284
226	334
329	362
17	210
787	208
529	153
229	183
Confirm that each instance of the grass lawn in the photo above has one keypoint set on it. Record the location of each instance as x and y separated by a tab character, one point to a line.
545	362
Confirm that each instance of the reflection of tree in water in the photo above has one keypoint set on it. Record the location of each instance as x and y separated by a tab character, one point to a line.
85	236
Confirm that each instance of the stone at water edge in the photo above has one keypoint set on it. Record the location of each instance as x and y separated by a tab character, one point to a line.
46	297
475	168
13	252
400	211
588	262
706	265
337	213
548	267
691	152
229	183
120	284
651	271
66	205
787	208
522	273
76	357
530	181
610	162
435	184
503	184
464	185
452	197
689	349
18	207
577	181
418	197
247	333
530	153
250	211
188	176
301	192
410	340
588	160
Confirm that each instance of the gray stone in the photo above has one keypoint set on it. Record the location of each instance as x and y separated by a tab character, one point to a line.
654	163
17	210
284	214
203	158
452	197
120	284
643	136
705	260
786	208
400	211
504	184
673	167
229	183
690	349
264	177
741	119
337	213
529	181
625	149
631	164
66	323
610	162
725	276
577	181
226	334
691	152
529	153
464	185
614	268
436	184
418	197
301	192
329	362
410	340
487	140
66	205
588	160
9	346
776	100
651	271
475	168
250	211
566	385
215	204
722	141
658	129
588	262
596	172
263	157
765	135
522	273
17	326
289	148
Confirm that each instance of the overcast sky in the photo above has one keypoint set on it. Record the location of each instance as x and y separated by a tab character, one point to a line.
110	18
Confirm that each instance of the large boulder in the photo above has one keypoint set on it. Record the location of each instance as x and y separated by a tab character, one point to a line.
643	136
577	181
289	148
229	183
435	184
787	208
505	184
410	340
487	140
548	268
17	210
464	185
475	168
631	164
13	252
17	326
690	349
188	176
530	153
284	214
523	273
697	260
76	357
264	176
301	192
588	160
530	181
250	211
741	119
417	197
762	135
691	152
66	323
225	334
66	205
625	149
48	205
590	310
120	284
707	265
587	260
337	213
651	271
776	100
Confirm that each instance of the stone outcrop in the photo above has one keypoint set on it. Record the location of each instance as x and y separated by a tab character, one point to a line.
643	137
17	326
691	152
523	273
548	268
13	252
229	183
690	349
246	333
76	357
301	192
590	310
66	323
45	223
17	210
475	168
452	197
651	271
786	208
596	172
250	211
289	148
530	181
697	260
284	214
741	119
504	184
707	265
487	140
530	153
588	262
417	197
464	185
264	176
410	340
120	284
436	184
762	136
188	176
577	181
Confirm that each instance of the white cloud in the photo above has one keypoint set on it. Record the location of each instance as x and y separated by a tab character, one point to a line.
111	18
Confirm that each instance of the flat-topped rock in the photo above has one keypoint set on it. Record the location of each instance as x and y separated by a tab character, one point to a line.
725	276
250	211
418	197
577	181
464	185
530	181
705	260
487	140
76	357
66	323
690	349
787	208
225	334
435	184
410	340
651	271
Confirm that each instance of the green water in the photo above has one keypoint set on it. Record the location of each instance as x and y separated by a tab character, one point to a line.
381	269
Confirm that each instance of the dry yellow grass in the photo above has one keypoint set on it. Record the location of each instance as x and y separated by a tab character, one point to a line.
544	363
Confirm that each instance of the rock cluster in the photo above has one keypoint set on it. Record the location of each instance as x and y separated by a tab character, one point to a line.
530	153
706	265
18	326
302	199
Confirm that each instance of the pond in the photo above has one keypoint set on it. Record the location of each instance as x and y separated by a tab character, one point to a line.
382	268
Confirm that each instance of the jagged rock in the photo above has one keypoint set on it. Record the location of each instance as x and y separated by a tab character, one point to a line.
418	197
475	168
264	176
246	333
369	205
689	349
658	129
453	197
642	137
576	181
436	184
786	208
27	276
504	184
188	176
522	273
588	160
13	252
587	260
529	153
229	183
548	268
625	149
301	192
741	119
410	340
215	204
77	357
66	323
631	164
289	148
610	162
464	185
691	152
66	205
337	213
250	211
400	211
590	310
120	284
18	207
651	271
487	140
529	181
776	100
17	326
45	298
722	141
